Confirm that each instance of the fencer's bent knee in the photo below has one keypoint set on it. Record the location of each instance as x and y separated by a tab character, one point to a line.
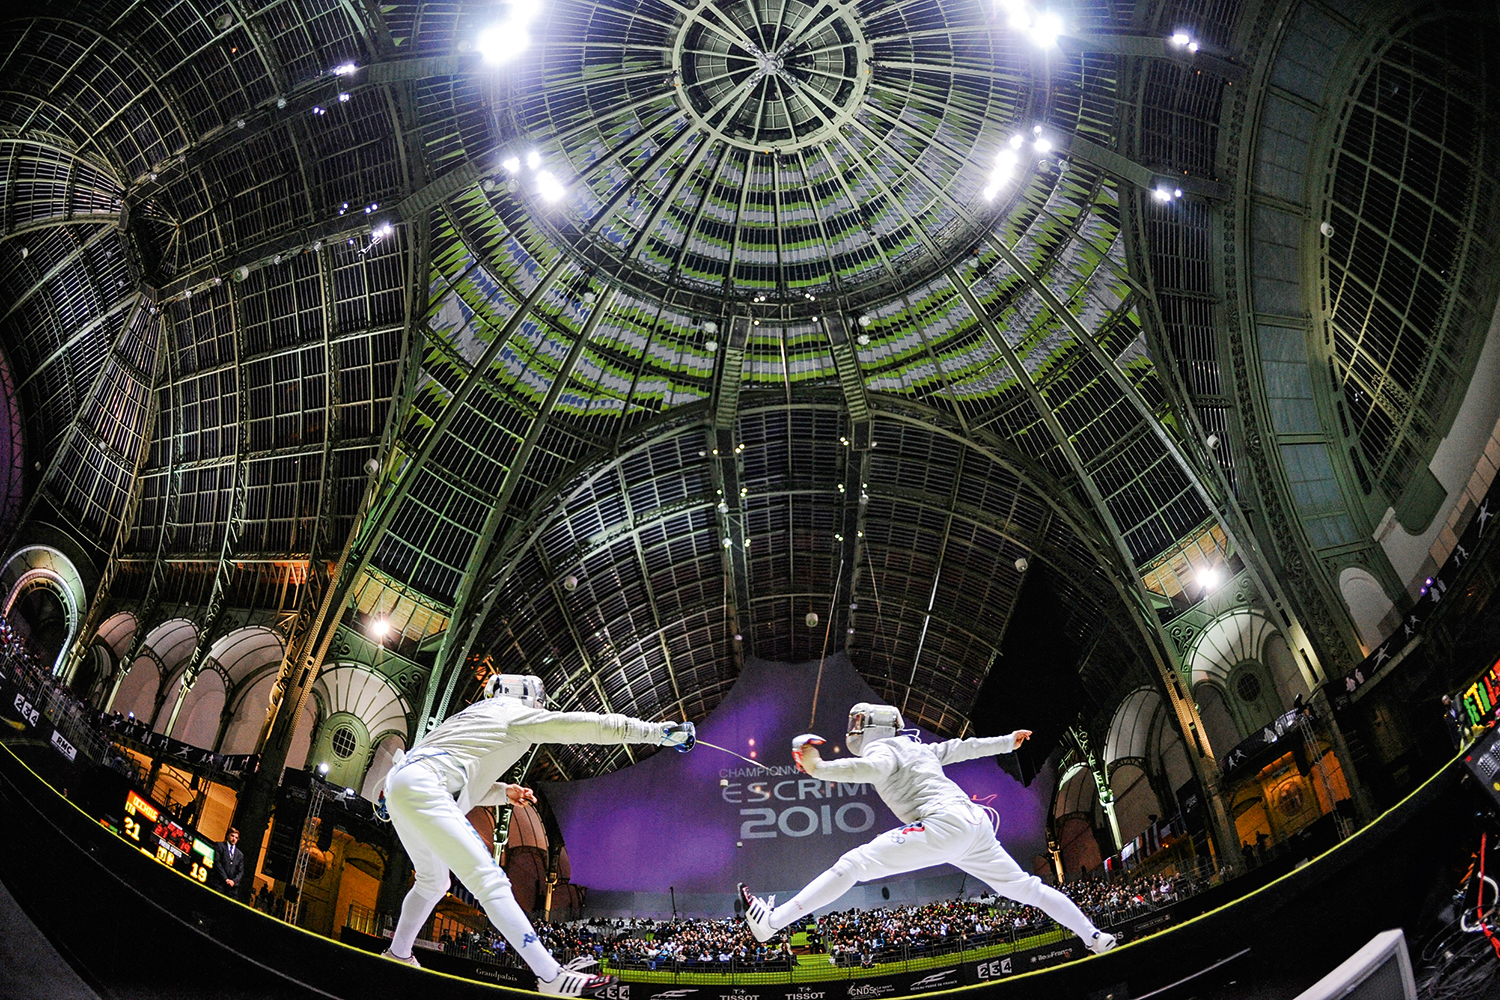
1024	890
853	863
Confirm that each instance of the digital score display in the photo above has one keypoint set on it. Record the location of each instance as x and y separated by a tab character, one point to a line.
157	836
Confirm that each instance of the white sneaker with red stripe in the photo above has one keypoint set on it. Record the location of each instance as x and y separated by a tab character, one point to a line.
572	981
758	914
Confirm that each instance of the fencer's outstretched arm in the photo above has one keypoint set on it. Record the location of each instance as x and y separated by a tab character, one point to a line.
877	764
538	725
952	751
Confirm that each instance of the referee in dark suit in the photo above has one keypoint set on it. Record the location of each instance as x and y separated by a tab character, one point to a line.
229	865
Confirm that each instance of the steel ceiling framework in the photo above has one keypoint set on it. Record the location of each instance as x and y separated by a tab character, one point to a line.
536	387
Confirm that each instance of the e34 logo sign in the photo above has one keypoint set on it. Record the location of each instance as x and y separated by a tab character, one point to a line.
997	969
29	714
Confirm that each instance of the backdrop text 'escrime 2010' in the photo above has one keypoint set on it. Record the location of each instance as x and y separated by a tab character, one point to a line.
691	825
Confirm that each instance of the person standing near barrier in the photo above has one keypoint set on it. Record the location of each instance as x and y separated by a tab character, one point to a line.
941	824
458	766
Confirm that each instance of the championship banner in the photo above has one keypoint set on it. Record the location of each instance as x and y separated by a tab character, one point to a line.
699	822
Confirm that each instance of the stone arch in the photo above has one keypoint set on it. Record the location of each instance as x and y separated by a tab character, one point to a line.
1219	723
1075	820
248	705
354	691
1131	726
41	568
1367	603
1224	643
198	721
139	689
117	631
170	645
1135	799
246	650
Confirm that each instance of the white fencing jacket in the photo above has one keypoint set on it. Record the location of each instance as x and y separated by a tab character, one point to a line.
475	747
908	774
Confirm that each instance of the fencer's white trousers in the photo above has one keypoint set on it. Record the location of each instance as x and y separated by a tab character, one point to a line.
961	836
439	839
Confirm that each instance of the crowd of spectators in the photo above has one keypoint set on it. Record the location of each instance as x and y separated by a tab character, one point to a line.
1108	903
852	937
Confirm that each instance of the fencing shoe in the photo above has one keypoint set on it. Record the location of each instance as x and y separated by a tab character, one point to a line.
572	981
758	914
410	960
1100	942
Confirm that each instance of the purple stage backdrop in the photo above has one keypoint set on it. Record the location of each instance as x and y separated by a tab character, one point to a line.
702	821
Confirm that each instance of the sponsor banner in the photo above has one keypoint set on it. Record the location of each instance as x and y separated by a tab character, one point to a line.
1005	966
1268	736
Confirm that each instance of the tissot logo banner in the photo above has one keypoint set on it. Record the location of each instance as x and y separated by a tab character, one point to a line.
701	821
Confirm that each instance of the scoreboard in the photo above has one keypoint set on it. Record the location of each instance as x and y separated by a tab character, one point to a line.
156	835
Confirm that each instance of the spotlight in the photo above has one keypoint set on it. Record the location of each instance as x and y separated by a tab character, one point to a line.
1192	46
1181	38
500	43
710	346
865	319
1326	228
710	327
1043	144
570	583
380	627
323	768
1045	29
1022	565
533	159
344	69
863	339
241	273
1162	194
549	187
511	164
812	619
1212	441
1208	578
727	543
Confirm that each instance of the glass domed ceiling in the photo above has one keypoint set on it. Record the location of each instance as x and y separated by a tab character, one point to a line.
768	148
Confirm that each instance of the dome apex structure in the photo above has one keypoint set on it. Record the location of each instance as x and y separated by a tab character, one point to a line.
761	151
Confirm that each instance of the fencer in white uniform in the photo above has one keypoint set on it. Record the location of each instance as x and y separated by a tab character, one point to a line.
941	824
458	766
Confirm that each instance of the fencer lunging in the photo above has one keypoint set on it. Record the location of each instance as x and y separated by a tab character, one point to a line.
457	766
941	824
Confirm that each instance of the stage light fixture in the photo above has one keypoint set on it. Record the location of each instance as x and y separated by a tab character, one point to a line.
511	164
500	43
1208	578
323	769
533	159
549	187
380	627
